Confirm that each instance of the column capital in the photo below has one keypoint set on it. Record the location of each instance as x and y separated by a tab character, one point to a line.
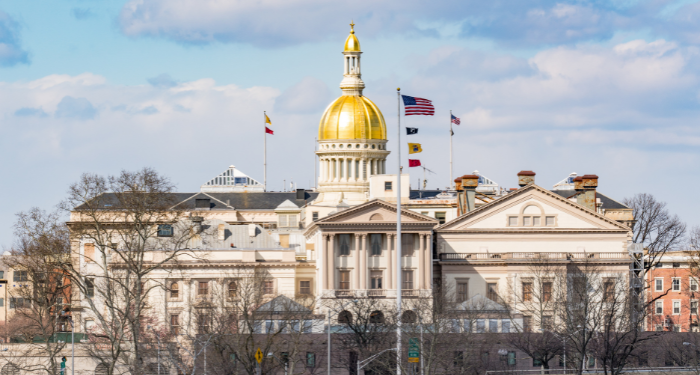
364	235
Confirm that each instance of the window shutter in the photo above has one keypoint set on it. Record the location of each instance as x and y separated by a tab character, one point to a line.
283	220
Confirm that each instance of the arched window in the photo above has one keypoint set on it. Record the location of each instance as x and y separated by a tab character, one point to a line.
174	290
10	369
376	317
232	289
376	217
101	369
345	317
408	317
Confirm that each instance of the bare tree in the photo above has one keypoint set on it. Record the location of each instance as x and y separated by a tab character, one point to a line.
123	228
40	303
655	227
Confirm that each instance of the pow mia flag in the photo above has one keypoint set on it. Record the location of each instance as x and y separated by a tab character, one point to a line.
410	131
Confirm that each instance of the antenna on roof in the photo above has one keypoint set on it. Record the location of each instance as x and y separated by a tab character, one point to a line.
425	182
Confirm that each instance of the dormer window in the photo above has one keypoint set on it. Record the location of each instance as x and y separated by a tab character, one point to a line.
287	221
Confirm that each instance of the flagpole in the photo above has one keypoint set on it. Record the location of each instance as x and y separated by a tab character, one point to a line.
451	133
398	239
265	149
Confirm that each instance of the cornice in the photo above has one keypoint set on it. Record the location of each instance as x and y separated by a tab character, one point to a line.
531	231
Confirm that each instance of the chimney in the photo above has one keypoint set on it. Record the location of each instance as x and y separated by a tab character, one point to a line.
469	184
458	183
526	178
222	232
301	194
586	188
197	224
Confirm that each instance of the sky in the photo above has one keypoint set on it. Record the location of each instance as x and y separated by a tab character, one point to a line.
593	87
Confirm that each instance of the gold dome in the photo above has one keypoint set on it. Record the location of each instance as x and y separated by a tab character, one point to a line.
352	117
351	43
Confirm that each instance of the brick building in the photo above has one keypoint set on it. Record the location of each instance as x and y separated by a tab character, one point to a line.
673	288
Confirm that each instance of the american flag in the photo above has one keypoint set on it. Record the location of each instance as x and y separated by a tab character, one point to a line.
417	106
455	120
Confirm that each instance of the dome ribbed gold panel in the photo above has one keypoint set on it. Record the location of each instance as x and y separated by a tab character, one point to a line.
352	117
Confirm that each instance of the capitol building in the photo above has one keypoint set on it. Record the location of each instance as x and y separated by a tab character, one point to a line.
319	247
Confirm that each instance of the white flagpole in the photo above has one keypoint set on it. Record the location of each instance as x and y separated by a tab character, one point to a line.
451	180
265	149
398	240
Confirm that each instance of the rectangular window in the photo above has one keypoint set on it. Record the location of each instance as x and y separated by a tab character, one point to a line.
547	323
511	359
492	291
659	285
659	328
426	213
676	265
19	303
174	290
175	324
310	360
89	252
527	323
512	221
314	215
591	361
547	291
527	292
344	280
458	358
549	220
693	284
2	302
2	274
676	307
659	265
505	326
269	326
408	244
676	328
493	325
305	288
269	287
232	289
608	291
376	279
203	288
694	307
536	221
676	284
203	322
352	365
20	276
344	244
462	291
536	362
480	326
441	216
407	278
376	243
89	288
387	186
164	230
659	307
527	221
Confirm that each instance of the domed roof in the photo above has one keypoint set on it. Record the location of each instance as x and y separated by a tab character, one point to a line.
352	44
352	117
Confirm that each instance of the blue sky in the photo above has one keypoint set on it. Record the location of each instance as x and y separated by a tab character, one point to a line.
604	87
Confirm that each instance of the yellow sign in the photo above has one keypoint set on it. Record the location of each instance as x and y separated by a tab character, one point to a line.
414	360
259	356
414	148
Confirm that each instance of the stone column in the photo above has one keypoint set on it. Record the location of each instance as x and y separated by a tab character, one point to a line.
428	261
331	262
363	263
419	284
390	260
347	64
358	238
324	266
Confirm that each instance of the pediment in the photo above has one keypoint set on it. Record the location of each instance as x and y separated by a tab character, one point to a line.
375	212
532	208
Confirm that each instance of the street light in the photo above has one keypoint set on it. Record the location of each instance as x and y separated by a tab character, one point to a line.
361	364
420	322
286	363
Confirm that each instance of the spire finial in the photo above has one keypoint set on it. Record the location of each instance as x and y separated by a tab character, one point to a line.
352	27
